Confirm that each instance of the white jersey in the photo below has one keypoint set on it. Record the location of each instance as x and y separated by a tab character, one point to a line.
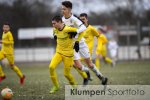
75	22
112	45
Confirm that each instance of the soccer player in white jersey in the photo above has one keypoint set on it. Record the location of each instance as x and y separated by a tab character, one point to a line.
70	20
113	48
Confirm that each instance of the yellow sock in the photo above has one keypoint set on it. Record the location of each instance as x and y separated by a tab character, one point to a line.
53	76
69	76
97	63
83	74
108	60
1	72
18	71
71	79
54	80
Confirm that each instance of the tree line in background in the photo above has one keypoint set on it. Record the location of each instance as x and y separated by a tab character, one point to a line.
22	14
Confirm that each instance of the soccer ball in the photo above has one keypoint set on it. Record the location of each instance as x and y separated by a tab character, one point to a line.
6	93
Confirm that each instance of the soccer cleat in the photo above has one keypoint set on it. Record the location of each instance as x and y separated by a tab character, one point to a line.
22	80
2	78
104	80
89	76
54	89
85	81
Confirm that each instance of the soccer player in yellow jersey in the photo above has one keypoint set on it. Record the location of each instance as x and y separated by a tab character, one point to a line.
89	33
7	51
64	52
101	50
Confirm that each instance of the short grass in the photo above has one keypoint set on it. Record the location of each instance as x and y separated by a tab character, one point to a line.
38	83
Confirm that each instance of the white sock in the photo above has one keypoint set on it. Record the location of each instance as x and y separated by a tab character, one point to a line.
96	71
85	69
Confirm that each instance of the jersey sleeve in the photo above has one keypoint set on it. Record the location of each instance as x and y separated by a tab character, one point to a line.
95	32
79	24
80	36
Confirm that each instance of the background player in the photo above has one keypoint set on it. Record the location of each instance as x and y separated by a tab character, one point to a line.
7	51
101	50
64	52
113	48
89	33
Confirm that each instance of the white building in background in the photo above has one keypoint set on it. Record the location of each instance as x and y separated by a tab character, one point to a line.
42	54
34	54
33	33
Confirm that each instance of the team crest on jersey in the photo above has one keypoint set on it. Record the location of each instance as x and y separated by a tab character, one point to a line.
71	23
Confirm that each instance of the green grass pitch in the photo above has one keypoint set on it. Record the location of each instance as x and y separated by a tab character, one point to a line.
38	83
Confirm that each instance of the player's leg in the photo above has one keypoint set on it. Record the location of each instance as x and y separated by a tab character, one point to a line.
97	60
68	63
108	60
96	71
52	69
113	54
84	52
16	69
80	68
83	71
104	55
2	74
84	46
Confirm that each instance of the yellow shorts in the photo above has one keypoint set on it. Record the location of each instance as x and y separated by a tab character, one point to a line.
68	61
10	57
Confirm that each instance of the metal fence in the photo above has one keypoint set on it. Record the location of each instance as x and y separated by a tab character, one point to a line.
134	41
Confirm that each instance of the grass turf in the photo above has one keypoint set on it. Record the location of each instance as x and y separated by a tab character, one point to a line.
38	83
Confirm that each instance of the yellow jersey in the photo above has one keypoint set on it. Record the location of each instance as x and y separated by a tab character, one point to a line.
7	43
102	40
89	34
64	42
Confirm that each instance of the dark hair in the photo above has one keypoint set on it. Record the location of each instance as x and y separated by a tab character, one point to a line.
83	15
6	23
57	18
67	4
